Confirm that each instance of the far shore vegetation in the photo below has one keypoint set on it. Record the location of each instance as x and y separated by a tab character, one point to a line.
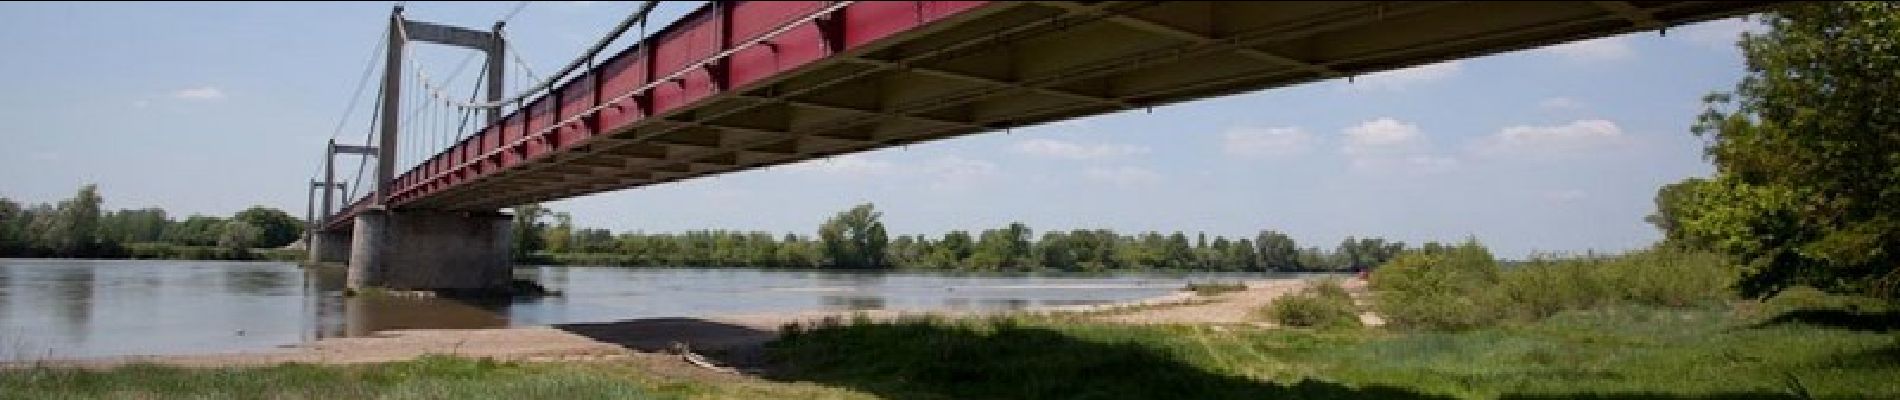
78	228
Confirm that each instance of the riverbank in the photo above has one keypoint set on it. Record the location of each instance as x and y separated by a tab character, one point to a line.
1179	345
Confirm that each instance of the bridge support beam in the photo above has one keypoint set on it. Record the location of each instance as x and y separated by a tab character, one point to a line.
329	247
465	252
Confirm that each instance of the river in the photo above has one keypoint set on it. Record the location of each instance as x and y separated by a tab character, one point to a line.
57	309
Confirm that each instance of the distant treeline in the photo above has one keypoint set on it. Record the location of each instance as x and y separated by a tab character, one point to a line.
77	227
856	239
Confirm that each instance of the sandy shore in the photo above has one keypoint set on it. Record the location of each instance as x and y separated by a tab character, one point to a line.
732	340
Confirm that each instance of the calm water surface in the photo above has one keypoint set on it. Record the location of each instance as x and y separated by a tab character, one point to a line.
85	308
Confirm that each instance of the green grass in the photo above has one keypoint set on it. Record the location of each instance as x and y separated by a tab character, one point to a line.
1613	352
1214	288
435	377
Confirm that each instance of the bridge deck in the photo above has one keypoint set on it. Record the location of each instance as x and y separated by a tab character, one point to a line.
742	85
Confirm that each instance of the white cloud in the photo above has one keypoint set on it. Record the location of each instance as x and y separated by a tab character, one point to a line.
1125	176
1718	34
845	165
1560	103
582	3
1384	136
200	93
952	172
46	156
1266	142
1387	145
1599	49
141	103
1076	151
1573	138
1405	78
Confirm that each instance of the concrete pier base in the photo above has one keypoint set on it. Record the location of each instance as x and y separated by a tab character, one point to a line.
330	247
430	250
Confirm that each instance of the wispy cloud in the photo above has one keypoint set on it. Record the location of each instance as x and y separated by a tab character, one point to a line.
199	93
1254	142
1076	151
1124	176
1718	34
1406	78
845	165
1559	140
1600	49
956	173
1560	104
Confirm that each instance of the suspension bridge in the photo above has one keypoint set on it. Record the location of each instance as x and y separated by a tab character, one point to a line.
738	85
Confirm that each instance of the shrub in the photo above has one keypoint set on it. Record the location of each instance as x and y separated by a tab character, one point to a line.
1323	305
1214	288
1661	277
1806	298
1442	290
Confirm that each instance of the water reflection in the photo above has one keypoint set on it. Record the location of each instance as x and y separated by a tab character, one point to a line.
852	303
64	308
71	292
337	315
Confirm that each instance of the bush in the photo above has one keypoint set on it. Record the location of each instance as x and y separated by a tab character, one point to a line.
1214	288
1661	277
1464	288
1442	290
1806	298
1323	305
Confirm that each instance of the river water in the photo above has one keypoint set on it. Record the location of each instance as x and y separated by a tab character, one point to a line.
87	308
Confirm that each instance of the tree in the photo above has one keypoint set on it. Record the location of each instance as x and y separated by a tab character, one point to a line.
196	230
12	228
855	239
1808	167
75	232
275	228
527	229
238	237
135	226
1001	249
560	237
1277	251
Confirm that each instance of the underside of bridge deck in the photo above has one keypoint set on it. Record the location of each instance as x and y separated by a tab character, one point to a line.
1014	64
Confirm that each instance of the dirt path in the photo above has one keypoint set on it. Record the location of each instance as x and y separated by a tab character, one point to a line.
1233	307
734	341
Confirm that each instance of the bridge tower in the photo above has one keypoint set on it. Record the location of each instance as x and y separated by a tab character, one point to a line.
418	249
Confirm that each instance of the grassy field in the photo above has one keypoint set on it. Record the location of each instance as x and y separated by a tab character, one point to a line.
1610	353
1625	352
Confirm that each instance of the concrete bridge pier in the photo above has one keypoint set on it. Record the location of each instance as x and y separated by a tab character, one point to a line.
329	247
431	250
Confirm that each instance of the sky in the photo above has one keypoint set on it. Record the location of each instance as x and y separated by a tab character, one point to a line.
210	108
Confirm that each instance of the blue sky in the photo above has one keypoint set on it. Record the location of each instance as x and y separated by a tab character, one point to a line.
213	107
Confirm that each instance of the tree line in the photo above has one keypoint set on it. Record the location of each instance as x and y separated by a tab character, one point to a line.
79	227
856	239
